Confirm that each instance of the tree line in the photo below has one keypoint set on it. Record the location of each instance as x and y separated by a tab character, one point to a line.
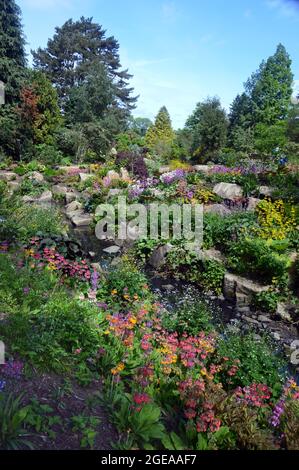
76	100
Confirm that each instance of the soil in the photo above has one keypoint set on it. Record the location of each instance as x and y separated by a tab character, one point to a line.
67	399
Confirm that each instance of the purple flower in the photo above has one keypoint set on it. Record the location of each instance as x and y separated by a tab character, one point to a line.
2	385
277	412
26	290
102	305
172	176
94	280
13	369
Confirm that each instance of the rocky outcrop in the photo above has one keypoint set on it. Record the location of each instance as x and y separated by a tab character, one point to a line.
228	190
36	176
158	257
44	198
79	219
8	176
219	209
265	191
240	289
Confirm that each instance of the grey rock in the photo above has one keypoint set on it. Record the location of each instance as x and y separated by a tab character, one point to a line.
252	203
265	191
36	176
264	319
276	336
219	209
158	257
282	312
112	250
59	189
228	190
73	206
7	175
81	220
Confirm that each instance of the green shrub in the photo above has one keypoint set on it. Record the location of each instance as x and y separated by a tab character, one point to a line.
266	301
29	220
12	418
191	318
257	361
254	257
49	335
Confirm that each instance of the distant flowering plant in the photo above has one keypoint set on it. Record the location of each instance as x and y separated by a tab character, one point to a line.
172	176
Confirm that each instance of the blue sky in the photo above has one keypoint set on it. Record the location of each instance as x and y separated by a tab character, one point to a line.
179	51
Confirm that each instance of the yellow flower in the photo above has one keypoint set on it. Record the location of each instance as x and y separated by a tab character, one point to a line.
114	292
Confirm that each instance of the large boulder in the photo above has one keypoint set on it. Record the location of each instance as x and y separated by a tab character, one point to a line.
44	198
112	250
213	255
228	190
81	219
158	257
252	203
59	189
8	175
265	191
219	209
202	168
73	206
36	176
240	289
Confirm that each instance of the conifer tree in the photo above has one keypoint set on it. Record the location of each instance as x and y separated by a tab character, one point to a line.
12	53
160	136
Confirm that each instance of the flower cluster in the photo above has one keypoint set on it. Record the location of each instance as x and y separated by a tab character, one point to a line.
274	221
12	369
254	395
57	262
172	176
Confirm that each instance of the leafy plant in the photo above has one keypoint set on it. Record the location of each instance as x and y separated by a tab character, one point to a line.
12	419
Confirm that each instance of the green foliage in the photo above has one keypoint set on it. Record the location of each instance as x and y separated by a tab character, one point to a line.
191	318
49	335
28	220
208	125
86	426
254	257
41	418
12	50
75	47
257	362
184	264
269	137
12	419
266	300
270	88
160	136
220	231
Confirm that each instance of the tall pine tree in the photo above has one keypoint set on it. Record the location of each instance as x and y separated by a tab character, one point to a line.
12	53
270	88
75	46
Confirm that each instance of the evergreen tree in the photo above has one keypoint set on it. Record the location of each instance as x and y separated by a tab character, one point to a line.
160	136
208	125
293	123
270	88
66	60
12	53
